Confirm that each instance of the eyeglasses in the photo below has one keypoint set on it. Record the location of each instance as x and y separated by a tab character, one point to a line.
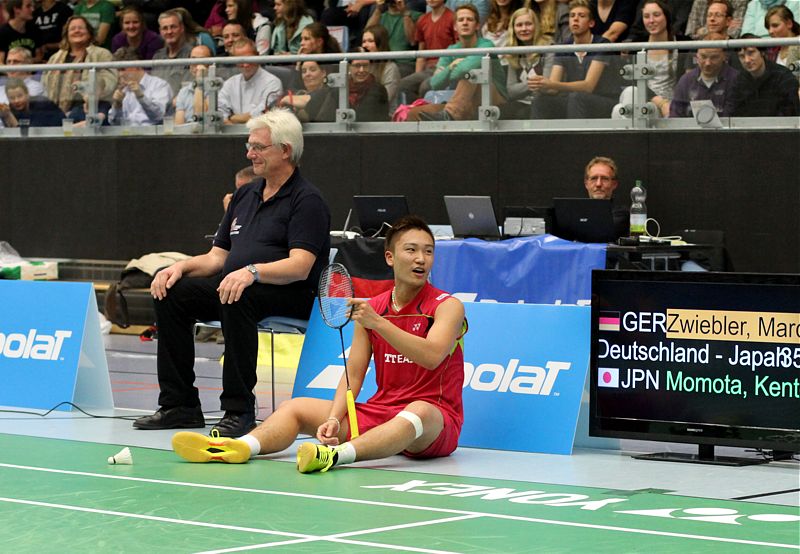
256	147
359	65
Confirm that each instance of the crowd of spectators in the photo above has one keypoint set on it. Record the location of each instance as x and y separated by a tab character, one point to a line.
747	82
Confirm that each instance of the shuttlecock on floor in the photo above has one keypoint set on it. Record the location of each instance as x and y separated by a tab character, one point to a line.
123	457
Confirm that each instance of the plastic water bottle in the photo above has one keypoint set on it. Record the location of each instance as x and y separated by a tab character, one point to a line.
638	210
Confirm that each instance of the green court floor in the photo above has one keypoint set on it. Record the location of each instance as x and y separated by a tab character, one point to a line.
62	496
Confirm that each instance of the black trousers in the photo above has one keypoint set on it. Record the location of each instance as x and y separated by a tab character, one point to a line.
193	298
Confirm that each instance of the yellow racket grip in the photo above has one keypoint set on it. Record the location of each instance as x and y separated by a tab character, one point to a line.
351	412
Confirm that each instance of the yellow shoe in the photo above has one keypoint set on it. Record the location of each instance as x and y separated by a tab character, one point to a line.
195	447
315	457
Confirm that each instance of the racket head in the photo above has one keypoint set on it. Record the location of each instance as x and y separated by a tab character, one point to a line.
335	287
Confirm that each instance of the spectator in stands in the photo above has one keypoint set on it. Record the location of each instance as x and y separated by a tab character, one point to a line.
481	5
242	177
716	16
77	45
582	85
680	14
547	12
613	18
376	39
266	259
49	18
451	73
38	111
135	34
764	88
102	15
291	18
314	102
435	31
781	24
20	55
251	92
523	30
600	180
713	79
191	100
240	11
353	14
195	34
496	26
20	30
367	97
400	23
231	33
316	39
667	68
176	45
140	98
755	17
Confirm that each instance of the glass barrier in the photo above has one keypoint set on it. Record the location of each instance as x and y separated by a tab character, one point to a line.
686	85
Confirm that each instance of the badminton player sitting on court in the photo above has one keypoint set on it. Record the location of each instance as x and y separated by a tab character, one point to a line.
414	333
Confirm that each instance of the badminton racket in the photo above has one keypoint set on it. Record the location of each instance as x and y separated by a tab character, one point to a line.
335	287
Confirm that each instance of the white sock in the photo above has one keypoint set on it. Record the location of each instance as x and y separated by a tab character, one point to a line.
252	442
346	454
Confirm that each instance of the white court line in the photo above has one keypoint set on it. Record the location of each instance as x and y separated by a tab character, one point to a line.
406	507
340	538
153	518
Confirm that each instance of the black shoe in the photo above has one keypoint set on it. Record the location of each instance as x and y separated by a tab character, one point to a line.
436	116
172	418
235	424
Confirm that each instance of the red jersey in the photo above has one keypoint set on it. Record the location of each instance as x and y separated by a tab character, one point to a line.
401	381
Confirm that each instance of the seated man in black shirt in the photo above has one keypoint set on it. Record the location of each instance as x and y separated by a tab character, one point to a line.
764	88
266	259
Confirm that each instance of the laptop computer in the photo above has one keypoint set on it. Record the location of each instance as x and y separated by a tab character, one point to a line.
583	220
375	211
472	216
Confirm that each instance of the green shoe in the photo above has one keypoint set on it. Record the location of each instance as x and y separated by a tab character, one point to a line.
315	457
195	447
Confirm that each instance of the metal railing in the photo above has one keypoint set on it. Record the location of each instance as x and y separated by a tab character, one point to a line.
638	115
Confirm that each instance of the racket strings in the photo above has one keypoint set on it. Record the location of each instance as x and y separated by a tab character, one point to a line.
334	290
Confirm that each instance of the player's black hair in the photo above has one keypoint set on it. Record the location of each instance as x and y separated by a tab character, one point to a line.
403	224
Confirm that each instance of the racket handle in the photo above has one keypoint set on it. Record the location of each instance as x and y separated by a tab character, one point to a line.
351	412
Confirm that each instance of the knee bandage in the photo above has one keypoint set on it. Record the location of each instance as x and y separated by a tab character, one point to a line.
414	420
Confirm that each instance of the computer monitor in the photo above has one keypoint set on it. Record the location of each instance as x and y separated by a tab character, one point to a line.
584	220
472	216
375	213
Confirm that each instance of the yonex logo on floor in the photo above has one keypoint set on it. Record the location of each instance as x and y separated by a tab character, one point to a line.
33	346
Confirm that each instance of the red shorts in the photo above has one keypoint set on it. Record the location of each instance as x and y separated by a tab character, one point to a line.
372	415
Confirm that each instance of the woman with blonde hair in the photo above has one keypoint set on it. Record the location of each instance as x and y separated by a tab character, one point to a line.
77	46
524	29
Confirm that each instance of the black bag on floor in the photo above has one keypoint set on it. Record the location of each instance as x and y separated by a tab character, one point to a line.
138	274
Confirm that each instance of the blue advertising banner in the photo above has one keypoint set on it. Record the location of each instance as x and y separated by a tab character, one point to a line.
51	350
534	270
525	368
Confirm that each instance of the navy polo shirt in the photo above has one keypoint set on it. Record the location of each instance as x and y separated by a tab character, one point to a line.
254	231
